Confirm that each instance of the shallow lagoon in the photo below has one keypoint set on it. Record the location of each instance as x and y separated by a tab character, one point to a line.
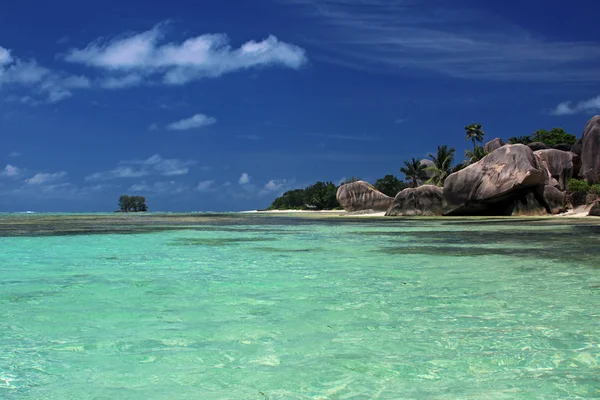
244	306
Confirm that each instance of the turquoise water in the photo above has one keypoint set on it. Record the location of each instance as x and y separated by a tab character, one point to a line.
288	308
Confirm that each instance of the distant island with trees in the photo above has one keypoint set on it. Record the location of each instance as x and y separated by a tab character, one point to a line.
432	171
132	204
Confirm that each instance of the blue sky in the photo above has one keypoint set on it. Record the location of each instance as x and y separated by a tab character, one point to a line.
223	105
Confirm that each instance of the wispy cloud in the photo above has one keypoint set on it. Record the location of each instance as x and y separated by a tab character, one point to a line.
205	186
10	171
193	122
50	86
345	137
154	165
153	127
244	179
431	37
158	188
209	55
590	106
43	178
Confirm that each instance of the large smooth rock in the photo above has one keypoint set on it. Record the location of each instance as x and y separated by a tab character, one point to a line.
491	185
549	200
535	146
493	144
590	151
360	196
424	200
559	163
563	147
595	210
577	147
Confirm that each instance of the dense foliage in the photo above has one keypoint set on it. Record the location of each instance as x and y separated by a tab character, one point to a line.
414	171
389	185
578	190
553	137
320	196
442	165
132	203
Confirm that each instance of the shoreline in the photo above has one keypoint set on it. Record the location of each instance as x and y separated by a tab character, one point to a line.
578	212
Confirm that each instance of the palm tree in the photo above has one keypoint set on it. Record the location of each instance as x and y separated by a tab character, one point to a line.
472	156
414	171
442	164
474	133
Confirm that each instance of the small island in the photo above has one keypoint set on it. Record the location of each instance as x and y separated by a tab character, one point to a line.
132	204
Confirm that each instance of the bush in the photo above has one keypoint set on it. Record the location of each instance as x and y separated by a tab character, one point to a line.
579	186
578	190
595	189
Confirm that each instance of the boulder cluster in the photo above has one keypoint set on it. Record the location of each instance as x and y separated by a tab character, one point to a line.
512	179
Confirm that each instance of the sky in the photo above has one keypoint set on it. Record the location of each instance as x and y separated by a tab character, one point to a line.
220	105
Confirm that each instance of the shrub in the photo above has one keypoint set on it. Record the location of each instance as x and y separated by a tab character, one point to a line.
578	185
578	190
595	189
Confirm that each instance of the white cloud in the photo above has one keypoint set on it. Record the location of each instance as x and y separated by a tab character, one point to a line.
590	106
10	171
208	55
158	188
205	186
244	179
443	38
275	185
5	56
51	85
195	121
121	82
153	165
46	178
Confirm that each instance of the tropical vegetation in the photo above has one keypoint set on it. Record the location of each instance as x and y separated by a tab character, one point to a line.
389	185
442	165
553	137
414	171
132	203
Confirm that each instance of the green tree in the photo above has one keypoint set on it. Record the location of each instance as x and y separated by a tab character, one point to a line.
442	164
474	133
132	203
389	185
553	137
472	156
519	139
319	196
415	171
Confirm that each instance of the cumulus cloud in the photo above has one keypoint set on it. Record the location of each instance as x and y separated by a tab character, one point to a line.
43	178
193	122
590	106
205	186
244	179
208	55
275	186
154	165
10	171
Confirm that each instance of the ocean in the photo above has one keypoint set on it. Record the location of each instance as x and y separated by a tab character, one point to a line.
252	306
